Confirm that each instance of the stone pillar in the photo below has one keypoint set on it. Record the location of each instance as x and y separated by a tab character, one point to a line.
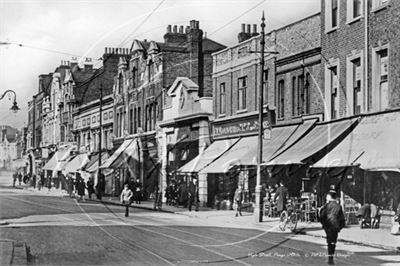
203	193
162	142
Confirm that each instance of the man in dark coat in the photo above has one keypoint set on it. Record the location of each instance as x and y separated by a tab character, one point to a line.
90	187
80	187
137	191
193	195
101	186
332	220
282	193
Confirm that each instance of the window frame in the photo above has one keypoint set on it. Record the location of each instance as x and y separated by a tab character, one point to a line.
222	98
281	99
241	96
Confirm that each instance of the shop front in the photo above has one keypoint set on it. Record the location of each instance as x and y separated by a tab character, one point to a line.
369	159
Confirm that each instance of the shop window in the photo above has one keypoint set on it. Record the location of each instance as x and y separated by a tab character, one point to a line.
242	86
94	119
222	98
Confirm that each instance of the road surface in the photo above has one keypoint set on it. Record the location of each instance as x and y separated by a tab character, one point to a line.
62	231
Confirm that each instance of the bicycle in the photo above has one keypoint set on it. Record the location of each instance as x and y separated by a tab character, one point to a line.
289	217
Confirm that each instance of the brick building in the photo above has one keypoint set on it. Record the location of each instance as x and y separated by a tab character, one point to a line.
360	51
141	83
360	56
292	85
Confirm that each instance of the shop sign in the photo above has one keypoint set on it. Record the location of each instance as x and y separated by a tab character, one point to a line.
237	128
45	153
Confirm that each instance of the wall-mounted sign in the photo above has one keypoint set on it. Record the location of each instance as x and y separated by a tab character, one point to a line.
237	127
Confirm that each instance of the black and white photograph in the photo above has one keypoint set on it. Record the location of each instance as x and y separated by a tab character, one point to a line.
199	132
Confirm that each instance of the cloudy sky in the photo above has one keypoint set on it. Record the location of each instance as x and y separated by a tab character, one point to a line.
55	30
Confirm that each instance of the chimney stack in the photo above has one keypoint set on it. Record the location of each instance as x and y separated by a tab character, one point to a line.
181	29
88	65
175	29
244	35
169	29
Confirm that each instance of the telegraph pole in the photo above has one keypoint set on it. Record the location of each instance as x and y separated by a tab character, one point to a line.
258	216
101	122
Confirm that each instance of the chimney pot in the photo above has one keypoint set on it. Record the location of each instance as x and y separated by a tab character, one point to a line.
197	24
254	28
243	27
248	28
192	24
181	29
105	50
169	29
175	28
187	29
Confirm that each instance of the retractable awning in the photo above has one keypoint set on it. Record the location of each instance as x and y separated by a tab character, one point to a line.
323	137
93	164
373	145
58	161
244	152
76	163
128	156
211	153
115	155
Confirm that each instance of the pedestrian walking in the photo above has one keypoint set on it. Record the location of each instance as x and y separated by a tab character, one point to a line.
49	183
332	220
281	197
238	199
126	198
19	178
14	176
34	180
100	186
193	195
90	187
70	186
137	191
80	187
157	198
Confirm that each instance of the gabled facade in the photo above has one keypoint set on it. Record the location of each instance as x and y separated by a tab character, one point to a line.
142	81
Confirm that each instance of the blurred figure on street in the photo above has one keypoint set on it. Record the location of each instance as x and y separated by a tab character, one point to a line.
34	180
137	191
193	195
126	198
332	220
90	187
80	187
19	178
14	176
70	186
281	197
100	186
238	198
157	198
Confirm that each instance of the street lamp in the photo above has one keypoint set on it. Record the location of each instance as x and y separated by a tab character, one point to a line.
14	108
258	213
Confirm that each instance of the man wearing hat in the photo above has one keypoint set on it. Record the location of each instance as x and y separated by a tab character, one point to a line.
332	220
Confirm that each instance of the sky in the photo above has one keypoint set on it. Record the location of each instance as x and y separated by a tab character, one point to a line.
55	30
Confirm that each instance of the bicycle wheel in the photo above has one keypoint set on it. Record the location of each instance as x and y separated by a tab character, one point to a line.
283	220
293	222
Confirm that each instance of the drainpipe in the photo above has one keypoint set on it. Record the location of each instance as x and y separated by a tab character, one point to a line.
366	51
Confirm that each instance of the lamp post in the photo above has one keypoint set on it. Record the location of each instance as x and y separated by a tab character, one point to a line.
14	108
258	214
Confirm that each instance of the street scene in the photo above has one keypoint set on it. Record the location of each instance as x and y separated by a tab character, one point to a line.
58	230
224	132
